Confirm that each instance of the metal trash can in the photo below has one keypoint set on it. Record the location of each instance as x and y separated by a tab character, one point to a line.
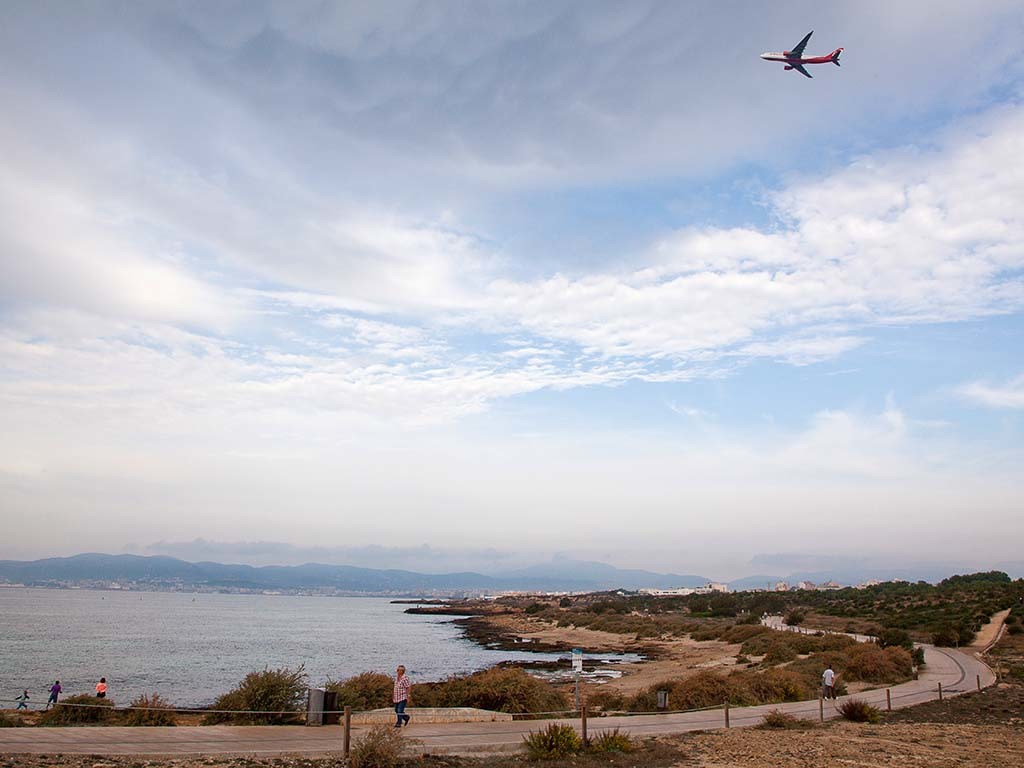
330	711
315	706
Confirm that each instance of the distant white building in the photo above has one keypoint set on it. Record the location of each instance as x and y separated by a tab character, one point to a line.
806	585
781	586
677	592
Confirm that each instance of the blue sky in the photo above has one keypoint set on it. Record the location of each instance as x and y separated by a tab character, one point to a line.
513	277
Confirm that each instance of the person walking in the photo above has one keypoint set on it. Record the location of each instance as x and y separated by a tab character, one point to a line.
400	696
22	700
828	682
101	688
55	690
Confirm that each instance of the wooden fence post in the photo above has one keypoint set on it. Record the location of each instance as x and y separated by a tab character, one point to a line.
583	723
726	713
978	677
940	691
346	739
821	707
888	700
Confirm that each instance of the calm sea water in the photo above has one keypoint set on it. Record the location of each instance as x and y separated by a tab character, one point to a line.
191	648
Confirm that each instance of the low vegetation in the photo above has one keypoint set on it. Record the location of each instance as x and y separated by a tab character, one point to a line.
78	710
381	747
779	720
859	711
553	742
370	690
268	697
612	741
149	710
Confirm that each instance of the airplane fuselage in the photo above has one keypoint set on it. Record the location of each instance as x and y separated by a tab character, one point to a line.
785	58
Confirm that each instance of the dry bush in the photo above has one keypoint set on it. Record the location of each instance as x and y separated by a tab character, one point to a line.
740	633
149	710
778	720
270	697
860	711
498	689
705	689
605	699
612	741
775	685
78	710
381	747
370	690
873	664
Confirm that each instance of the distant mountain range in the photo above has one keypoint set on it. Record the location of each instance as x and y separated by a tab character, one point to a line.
159	572
560	574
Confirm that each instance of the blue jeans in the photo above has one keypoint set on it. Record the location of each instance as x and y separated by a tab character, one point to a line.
400	712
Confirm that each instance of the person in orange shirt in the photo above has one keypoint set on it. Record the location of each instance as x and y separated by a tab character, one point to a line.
101	688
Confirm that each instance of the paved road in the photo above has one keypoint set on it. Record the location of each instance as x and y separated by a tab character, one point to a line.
958	672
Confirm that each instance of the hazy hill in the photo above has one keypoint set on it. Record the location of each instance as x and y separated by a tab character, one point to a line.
167	572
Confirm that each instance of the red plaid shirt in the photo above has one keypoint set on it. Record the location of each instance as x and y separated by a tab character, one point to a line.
401	692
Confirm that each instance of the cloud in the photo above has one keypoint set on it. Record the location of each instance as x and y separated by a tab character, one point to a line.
1009	395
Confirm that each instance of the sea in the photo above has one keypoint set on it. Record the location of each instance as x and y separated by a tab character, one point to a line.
190	648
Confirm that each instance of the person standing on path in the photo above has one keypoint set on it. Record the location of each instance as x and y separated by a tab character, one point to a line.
101	688
828	682
55	690
22	700
400	696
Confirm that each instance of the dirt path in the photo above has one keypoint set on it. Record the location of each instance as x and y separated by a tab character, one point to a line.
989	632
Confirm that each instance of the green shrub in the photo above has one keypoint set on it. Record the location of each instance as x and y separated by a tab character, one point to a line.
795	618
78	710
381	747
742	632
149	710
370	690
779	652
612	741
945	638
1014	629
270	697
6	721
507	689
891	636
565	602
554	742
534	608
860	711
777	719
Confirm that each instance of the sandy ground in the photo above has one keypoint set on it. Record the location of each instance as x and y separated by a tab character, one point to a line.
668	658
932	745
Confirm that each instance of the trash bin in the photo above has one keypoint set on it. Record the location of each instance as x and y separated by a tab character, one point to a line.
331	714
315	706
662	699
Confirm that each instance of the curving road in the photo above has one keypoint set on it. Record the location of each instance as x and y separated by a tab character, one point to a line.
957	671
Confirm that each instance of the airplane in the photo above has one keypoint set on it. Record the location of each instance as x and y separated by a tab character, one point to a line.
795	59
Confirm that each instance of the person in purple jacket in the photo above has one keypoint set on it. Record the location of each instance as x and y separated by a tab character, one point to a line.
55	690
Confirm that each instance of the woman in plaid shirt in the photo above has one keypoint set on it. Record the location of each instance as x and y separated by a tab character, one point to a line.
400	696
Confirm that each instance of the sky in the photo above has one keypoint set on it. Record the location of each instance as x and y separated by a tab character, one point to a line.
499	280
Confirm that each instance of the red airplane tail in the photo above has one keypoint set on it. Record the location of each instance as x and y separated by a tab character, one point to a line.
834	58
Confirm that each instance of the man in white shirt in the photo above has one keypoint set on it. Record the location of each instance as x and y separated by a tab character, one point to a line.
828	681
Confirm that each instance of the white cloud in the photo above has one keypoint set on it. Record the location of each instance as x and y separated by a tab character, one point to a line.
1009	395
909	236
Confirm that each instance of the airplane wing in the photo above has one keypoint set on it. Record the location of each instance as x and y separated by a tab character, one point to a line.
800	68
798	51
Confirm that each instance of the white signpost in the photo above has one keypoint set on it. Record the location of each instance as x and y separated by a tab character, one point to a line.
577	668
